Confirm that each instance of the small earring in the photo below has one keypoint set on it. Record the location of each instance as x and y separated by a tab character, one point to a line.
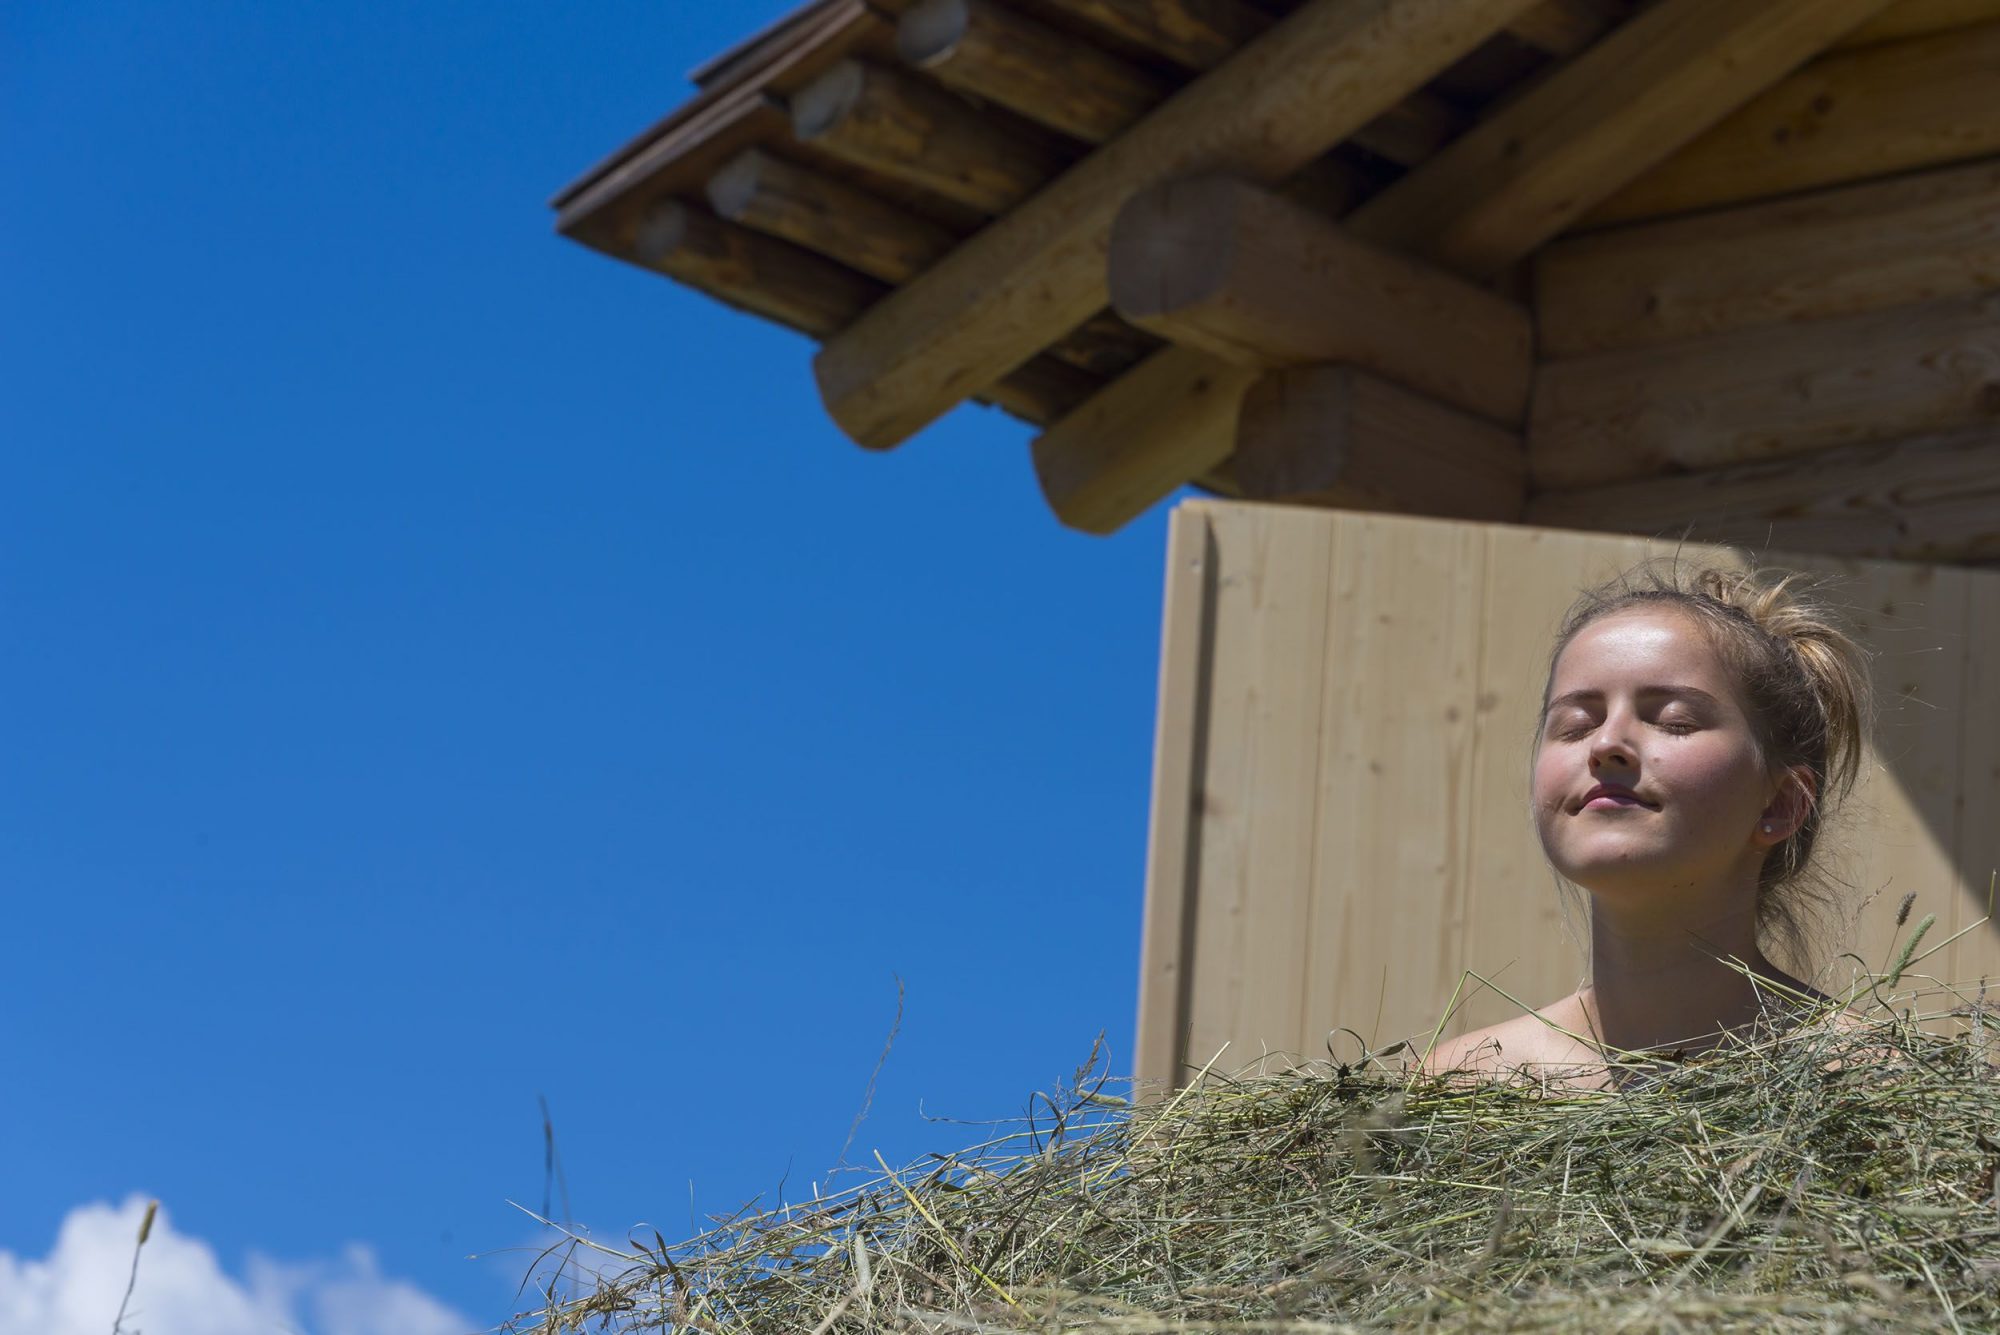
1767	827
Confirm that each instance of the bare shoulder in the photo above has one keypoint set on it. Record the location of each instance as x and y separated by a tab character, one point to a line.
1532	1040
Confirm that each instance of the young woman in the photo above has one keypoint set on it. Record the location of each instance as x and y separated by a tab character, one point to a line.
1696	729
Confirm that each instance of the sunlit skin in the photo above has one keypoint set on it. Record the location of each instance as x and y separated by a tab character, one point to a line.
1649	792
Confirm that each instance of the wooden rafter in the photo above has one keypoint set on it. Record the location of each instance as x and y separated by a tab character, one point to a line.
807	292
1222	266
1288	97
1518	178
1870	112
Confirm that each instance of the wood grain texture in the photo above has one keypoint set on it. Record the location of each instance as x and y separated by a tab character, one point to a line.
897	124
1834	252
1934	498
1530	169
1564	27
1173	847
994	52
1340	437
827	214
1757	394
1229	268
1258	788
1848	117
1391	880
1140	437
1915	18
1277	105
1536	165
1977	955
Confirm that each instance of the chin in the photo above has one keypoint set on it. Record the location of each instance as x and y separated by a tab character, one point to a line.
1617	871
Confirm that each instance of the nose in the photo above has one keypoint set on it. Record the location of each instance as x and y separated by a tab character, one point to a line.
1611	747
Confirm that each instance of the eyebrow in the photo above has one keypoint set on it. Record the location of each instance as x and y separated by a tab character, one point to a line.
1591	697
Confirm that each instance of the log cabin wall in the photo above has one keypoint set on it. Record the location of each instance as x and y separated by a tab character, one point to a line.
1340	824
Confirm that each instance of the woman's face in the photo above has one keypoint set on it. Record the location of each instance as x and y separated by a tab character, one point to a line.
1647	776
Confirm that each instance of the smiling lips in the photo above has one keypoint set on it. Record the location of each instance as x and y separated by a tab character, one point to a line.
1605	797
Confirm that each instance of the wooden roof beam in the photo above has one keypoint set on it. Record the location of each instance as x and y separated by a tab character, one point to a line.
1502	189
834	218
1274	107
1858	114
1529	171
794	287
992	51
1338	436
893	123
1229	268
1200	34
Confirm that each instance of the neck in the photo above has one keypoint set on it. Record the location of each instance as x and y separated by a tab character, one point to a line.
1666	979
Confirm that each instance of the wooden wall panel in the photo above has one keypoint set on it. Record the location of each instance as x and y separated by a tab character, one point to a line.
1341	822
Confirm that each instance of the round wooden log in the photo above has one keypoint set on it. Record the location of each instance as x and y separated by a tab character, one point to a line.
1337	436
1235	270
991	51
896	124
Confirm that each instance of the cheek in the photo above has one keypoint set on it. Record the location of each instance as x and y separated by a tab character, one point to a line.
1717	779
1547	780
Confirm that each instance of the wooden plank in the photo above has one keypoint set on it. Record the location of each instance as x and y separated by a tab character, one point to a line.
1226	267
734	110
903	127
1756	394
1277	105
1934	498
1914	18
1535	166
1900	833
1336	436
1848	117
1173	847
1259	785
1390	883
1100	465
1977	856
1834	252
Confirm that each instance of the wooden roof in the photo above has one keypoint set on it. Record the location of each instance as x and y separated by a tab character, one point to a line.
932	188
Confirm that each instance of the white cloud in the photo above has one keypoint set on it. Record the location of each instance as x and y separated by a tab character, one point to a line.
183	1289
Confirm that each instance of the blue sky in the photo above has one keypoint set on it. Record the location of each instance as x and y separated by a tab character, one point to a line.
443	666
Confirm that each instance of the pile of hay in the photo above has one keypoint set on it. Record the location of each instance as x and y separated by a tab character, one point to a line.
1819	1179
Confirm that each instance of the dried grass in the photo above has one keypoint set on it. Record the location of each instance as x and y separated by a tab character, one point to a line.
1824	1178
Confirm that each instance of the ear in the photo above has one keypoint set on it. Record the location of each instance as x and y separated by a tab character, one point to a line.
1788	808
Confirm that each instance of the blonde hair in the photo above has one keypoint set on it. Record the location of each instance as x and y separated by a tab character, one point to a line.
1805	686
